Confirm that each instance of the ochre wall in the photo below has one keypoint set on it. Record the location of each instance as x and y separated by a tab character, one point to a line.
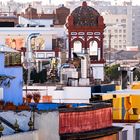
111	137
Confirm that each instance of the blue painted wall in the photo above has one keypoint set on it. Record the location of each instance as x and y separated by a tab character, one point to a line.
14	92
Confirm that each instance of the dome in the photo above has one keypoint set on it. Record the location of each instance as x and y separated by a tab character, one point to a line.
85	16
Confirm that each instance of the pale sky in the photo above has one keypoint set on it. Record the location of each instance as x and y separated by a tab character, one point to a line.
135	2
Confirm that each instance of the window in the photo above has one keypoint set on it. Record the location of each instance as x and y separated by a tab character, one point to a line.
12	59
137	134
123	20
124	135
115	30
77	47
120	31
124	46
124	25
124	36
93	48
115	41
109	31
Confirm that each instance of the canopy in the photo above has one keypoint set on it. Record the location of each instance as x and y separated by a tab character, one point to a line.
5	49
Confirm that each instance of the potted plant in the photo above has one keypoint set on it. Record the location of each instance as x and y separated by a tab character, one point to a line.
28	97
9	106
36	97
23	107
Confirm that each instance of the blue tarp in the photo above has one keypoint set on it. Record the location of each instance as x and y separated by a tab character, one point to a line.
54	106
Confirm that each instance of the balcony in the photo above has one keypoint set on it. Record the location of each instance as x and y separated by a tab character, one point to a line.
12	59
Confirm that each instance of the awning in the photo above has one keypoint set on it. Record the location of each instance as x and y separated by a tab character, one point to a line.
4	77
5	49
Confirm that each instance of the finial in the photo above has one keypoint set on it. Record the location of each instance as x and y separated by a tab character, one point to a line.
16	126
84	3
30	124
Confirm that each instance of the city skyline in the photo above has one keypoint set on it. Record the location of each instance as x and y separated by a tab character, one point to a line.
56	2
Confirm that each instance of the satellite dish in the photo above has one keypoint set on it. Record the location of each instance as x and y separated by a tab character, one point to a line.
29	62
28	65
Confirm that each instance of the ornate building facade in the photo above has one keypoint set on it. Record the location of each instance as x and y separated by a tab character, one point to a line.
85	31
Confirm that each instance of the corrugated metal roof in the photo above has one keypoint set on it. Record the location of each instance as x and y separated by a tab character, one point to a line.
5	49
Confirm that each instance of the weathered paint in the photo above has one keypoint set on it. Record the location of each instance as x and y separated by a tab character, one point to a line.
135	85
117	108
14	92
129	110
72	122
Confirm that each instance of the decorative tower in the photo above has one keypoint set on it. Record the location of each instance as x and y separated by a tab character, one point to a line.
85	31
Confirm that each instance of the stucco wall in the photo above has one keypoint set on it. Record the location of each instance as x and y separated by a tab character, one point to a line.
98	71
67	95
48	42
48	125
14	92
70	94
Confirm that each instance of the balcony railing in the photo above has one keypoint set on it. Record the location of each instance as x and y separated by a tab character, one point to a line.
12	59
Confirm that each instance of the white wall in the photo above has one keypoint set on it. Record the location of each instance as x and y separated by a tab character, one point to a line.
45	22
48	125
48	42
70	94
67	95
47	32
98	71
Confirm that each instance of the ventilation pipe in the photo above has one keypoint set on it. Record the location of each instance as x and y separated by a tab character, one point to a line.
29	56
83	67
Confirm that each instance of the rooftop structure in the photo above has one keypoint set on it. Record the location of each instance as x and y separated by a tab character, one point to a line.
85	31
10	78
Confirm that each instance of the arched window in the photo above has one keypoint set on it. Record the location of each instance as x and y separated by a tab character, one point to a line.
77	46
93	48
